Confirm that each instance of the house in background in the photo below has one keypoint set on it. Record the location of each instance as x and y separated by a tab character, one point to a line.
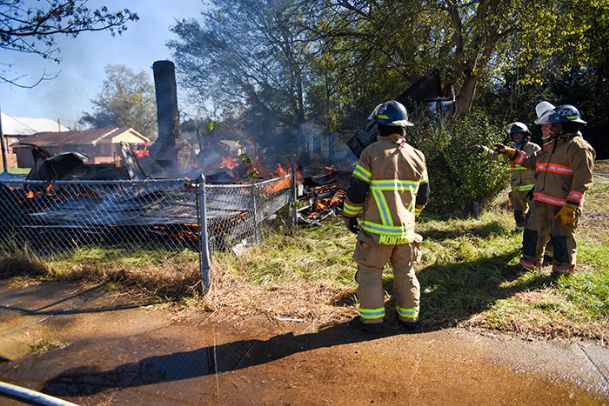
101	145
16	128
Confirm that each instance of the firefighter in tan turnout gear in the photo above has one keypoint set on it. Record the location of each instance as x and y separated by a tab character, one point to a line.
522	179
543	109
564	174
388	188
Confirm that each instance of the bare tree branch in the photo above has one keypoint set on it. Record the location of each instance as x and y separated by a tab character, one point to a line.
33	29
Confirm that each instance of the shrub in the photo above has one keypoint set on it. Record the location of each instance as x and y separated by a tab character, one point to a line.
459	176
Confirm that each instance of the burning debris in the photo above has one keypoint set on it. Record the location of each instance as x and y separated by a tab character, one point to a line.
167	212
67	201
322	195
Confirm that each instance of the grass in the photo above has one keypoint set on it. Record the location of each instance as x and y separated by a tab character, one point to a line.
17	171
602	166
468	276
47	345
159	275
468	273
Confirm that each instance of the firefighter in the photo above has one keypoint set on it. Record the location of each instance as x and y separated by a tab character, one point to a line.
542	109
388	188
523	179
564	174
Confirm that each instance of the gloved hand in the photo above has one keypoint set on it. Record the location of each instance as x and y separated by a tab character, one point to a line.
504	150
481	149
352	224
566	214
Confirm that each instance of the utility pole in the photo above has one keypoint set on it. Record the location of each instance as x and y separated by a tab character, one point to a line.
3	142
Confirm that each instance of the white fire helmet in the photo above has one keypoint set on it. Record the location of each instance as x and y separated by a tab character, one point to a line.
517	128
543	109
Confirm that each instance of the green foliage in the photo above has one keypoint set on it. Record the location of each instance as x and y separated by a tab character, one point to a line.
330	63
458	175
245	54
126	100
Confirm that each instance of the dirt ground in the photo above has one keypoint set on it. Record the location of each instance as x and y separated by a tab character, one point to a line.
92	347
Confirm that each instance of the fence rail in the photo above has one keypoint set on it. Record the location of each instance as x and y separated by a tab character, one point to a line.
173	214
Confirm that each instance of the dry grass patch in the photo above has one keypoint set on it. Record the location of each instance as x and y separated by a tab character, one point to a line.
232	295
20	264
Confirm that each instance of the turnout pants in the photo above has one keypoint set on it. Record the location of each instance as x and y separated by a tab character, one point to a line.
520	205
542	226
371	258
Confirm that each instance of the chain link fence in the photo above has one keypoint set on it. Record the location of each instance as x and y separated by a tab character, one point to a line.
60	217
234	212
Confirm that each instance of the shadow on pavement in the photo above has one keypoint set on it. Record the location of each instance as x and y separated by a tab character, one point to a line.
46	309
85	381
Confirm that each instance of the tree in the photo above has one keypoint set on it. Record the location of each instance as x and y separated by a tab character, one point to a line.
246	53
470	42
126	100
33	29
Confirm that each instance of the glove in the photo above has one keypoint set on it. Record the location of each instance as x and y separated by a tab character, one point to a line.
566	214
504	150
481	149
352	224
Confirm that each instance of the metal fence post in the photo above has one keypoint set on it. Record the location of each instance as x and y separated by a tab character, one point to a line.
203	238
294	198
255	212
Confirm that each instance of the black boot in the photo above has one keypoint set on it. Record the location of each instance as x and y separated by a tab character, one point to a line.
376	328
410	325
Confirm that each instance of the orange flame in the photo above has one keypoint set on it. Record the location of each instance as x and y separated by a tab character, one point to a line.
88	194
280	170
228	161
278	186
186	232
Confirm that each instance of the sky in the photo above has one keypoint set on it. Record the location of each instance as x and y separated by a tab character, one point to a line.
81	71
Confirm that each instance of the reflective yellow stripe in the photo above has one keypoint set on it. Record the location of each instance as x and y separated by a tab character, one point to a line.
517	167
417	211
376	228
378	186
393	184
523	188
407	312
352	210
382	207
372	314
390	235
362	173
